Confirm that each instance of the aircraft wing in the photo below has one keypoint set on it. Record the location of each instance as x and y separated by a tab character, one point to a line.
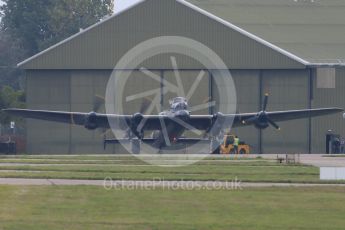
154	122
75	118
150	122
299	114
203	122
287	115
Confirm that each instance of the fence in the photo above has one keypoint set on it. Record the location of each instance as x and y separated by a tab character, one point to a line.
16	134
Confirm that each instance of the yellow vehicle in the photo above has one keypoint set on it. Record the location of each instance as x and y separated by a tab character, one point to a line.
227	146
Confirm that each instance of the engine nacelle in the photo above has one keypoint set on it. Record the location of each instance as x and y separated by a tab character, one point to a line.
91	122
260	121
261	125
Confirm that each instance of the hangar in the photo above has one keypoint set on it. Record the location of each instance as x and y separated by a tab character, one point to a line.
293	49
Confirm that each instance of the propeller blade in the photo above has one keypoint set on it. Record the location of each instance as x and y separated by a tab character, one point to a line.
206	100
264	105
97	103
273	123
145	105
128	134
104	132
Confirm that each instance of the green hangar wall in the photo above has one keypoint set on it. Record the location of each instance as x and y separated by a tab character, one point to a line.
68	75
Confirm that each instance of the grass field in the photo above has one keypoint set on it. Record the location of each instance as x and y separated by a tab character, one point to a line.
128	167
93	207
88	207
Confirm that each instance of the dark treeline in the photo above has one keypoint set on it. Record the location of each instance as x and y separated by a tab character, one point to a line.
30	26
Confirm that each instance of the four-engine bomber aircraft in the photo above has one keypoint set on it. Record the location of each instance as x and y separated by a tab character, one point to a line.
169	126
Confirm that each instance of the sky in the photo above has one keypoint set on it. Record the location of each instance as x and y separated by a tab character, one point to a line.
123	4
119	4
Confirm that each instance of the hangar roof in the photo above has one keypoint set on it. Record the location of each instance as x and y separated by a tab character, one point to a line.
255	41
311	29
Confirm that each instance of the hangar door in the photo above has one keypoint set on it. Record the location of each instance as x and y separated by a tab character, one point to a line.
246	98
288	89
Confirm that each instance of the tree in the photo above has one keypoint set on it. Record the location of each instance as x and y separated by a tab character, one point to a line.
10	98
27	22
67	17
38	24
10	53
30	26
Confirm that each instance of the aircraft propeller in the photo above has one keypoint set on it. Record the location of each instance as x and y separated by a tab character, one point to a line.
262	119
91	119
97	103
145	104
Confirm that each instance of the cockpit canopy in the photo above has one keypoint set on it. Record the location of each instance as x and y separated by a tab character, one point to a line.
179	103
177	100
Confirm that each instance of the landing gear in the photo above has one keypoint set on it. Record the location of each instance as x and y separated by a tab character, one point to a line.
135	146
215	147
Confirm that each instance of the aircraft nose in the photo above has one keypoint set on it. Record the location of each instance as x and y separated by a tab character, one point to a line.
182	114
